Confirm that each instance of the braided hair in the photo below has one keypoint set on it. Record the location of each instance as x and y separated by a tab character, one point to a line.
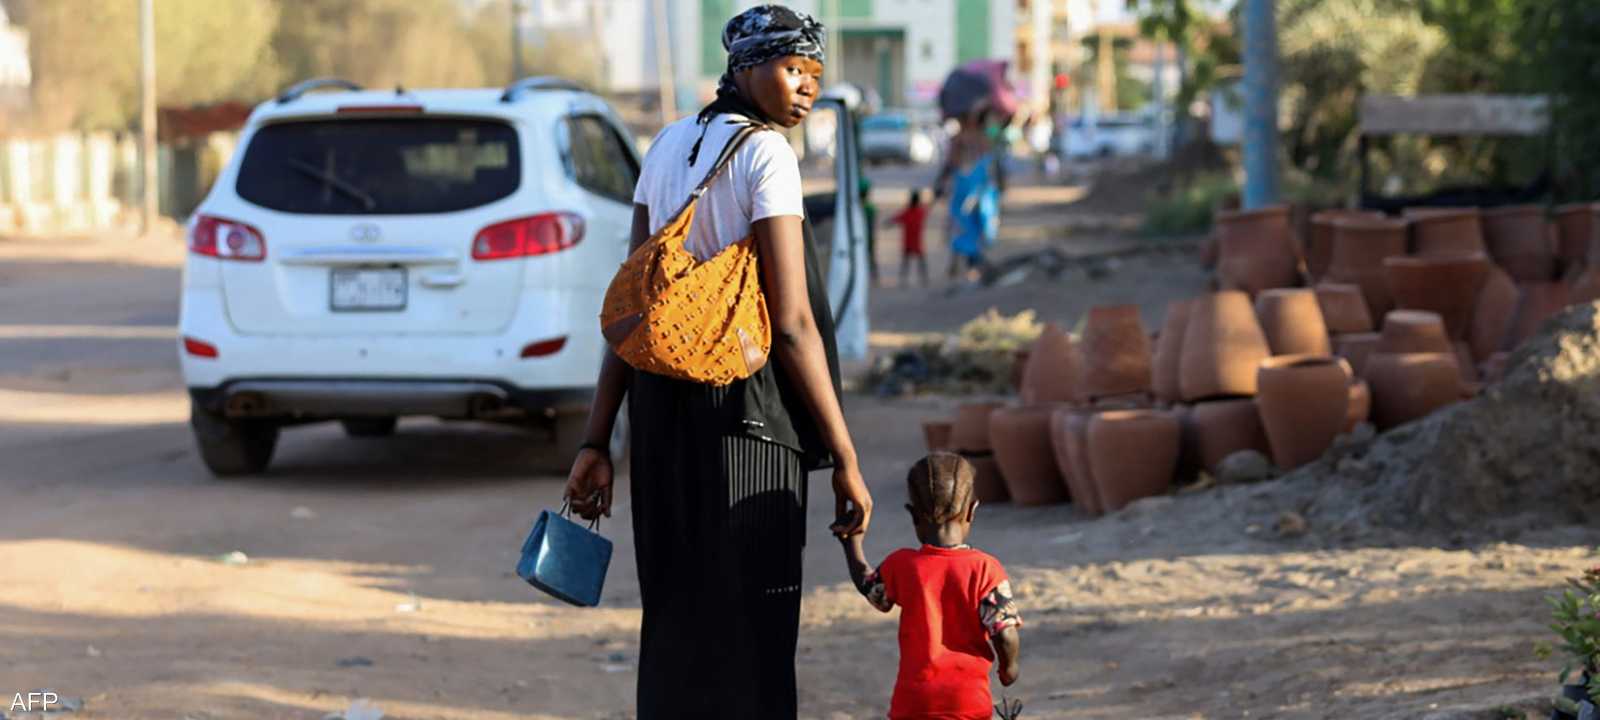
941	487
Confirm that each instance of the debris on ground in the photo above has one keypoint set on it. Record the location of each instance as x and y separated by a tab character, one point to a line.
353	662
978	359
410	606
360	709
233	558
303	513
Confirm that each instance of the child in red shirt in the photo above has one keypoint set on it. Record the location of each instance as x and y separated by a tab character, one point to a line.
910	221
956	609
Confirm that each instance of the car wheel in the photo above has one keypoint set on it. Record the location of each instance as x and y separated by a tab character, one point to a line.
369	427
232	447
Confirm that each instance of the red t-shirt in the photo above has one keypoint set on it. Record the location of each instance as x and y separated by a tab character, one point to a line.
944	648
910	220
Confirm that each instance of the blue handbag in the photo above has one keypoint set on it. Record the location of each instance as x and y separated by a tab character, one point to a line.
564	559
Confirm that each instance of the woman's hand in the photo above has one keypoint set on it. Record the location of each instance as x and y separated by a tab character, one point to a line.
589	484
852	504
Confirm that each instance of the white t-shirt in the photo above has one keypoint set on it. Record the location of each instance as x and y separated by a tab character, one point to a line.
762	181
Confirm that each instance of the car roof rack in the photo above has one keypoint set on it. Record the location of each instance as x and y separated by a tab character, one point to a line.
295	91
538	82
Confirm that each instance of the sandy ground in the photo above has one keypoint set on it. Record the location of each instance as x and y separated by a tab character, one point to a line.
382	569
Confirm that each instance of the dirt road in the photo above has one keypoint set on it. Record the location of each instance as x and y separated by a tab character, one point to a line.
382	569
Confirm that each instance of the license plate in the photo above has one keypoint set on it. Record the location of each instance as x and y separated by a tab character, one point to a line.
356	290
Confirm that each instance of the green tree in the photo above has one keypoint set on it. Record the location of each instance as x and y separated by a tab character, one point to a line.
380	43
85	56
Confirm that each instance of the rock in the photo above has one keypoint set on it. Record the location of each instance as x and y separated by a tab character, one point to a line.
1291	524
233	558
1244	466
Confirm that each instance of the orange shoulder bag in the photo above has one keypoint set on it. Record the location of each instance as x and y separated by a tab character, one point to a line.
668	313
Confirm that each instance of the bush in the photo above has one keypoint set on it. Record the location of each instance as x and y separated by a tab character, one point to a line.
1187	211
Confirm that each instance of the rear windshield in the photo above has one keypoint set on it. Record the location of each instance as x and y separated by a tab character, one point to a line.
380	166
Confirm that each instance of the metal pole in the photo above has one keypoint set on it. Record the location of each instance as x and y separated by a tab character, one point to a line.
516	40
149	208
1261	104
665	74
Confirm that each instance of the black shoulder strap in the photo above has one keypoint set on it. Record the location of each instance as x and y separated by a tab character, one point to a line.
725	158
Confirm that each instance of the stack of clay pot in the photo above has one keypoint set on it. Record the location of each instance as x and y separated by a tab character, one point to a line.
1222	345
1319	241
1020	434
1578	249
1360	245
1414	370
1256	250
969	436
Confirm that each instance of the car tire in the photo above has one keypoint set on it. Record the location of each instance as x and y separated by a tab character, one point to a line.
369	427
231	448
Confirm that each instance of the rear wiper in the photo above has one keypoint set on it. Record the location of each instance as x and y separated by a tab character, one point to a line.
367	201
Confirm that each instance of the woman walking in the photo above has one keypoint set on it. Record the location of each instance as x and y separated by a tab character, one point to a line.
719	472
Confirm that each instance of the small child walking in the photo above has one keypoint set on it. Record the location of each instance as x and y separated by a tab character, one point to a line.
956	608
910	221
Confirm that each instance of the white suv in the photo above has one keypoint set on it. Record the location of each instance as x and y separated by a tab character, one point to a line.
367	255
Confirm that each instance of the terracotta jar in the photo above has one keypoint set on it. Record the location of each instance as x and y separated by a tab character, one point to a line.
1344	308
971	431
1406	386
1019	369
1446	230
1222	346
1114	353
1359	407
1133	454
1319	241
1069	436
1169	352
1359	248
1021	440
936	433
1521	241
1292	321
1576	229
1413	331
987	483
1539	302
1303	401
1493	313
1188	444
1224	427
1445	284
1255	249
1355	348
1052	365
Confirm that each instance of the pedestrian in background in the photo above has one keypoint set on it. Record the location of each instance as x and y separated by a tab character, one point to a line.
911	222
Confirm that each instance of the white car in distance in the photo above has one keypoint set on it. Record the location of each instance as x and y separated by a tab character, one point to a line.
369	255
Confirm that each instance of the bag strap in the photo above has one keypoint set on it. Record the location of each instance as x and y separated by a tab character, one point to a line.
566	512
725	158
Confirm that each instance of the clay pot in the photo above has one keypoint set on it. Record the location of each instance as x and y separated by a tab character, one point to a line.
1115	353
1493	313
1021	440
1413	331
1224	427
1133	454
1292	321
1169	352
1359	248
936	433
1447	231
1539	302
1222	346
1303	401
1359	406
1019	368
1319	241
987	483
1355	348
1576	232
1445	284
971	431
1585	288
1406	386
1069	436
1521	241
1344	308
1255	249
1052	364
1189	465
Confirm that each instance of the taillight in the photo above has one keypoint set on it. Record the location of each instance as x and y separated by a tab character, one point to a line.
199	348
544	347
226	239
536	235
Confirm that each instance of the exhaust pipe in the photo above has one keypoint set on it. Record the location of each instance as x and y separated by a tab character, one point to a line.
246	403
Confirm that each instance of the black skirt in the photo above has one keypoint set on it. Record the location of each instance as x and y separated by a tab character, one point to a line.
719	529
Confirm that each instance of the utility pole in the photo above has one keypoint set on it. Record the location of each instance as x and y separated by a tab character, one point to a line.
666	75
516	40
149	208
1260	104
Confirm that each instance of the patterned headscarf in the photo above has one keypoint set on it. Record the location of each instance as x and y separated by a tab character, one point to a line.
752	38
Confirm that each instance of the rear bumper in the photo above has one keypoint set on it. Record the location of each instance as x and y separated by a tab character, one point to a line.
311	398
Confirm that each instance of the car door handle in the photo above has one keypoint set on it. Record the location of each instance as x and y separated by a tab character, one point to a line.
442	280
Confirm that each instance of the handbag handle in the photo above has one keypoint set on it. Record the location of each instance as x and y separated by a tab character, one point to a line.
725	158
566	512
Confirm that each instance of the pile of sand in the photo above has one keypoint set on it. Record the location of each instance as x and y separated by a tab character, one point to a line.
1527	449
